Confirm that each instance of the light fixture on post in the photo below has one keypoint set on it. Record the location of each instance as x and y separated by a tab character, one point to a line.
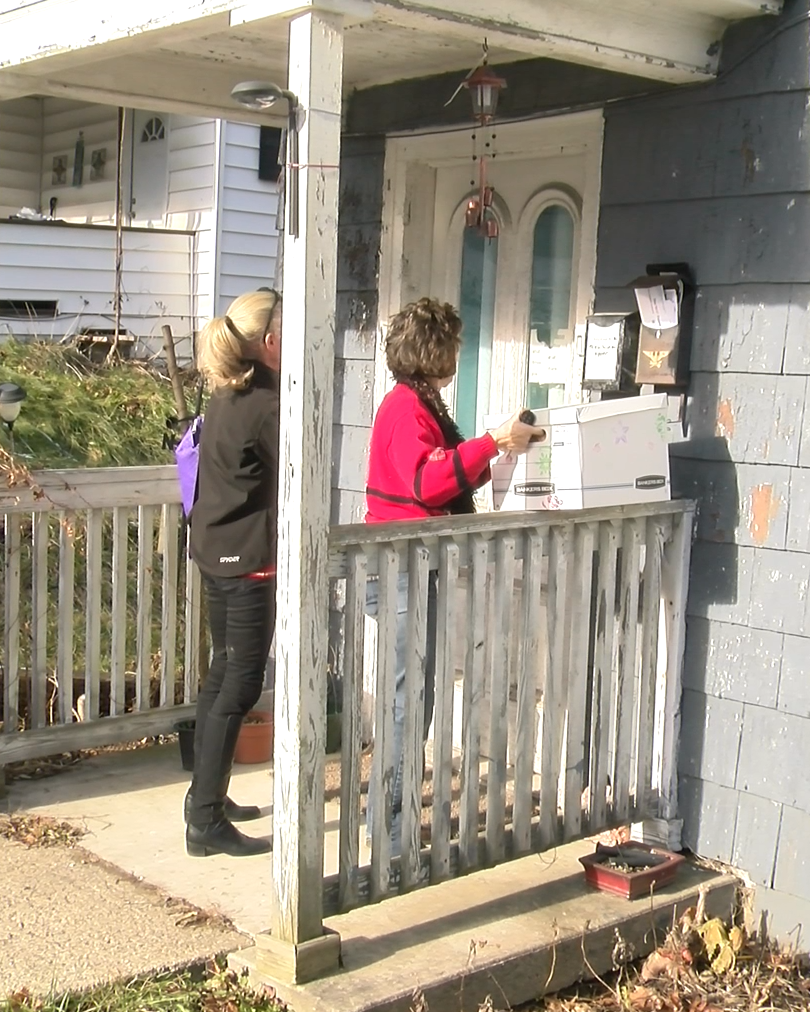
484	87
259	96
11	398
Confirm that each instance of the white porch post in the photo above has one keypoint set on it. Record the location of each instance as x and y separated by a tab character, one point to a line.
297	948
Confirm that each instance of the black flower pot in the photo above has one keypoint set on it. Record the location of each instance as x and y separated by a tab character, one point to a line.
334	732
185	732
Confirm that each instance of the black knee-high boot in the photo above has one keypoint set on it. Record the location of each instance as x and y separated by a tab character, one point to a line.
209	831
233	812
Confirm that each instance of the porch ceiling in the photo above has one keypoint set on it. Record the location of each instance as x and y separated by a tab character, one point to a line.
188	59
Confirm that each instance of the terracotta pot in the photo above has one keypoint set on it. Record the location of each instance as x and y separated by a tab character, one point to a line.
631	884
255	741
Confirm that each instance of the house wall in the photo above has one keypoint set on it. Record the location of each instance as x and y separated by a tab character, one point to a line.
20	154
720	177
248	212
193	194
75	265
359	231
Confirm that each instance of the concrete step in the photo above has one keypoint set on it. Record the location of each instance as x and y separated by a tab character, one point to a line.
513	933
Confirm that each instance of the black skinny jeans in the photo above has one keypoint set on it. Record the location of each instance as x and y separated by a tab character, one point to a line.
242	619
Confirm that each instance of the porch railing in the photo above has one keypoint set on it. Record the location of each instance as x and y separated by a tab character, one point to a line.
558	665
559	651
101	613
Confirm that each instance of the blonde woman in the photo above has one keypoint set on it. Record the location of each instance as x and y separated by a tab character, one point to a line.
421	466
233	541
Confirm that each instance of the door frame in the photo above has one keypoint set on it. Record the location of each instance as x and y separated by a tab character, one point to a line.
407	249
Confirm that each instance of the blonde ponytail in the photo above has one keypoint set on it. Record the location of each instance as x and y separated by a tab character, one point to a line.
226	348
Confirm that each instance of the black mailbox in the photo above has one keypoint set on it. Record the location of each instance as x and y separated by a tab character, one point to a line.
665	299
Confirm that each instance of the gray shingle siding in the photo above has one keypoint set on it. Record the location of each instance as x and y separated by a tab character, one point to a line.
719	176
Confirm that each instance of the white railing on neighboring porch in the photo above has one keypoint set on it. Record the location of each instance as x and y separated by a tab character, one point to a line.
560	643
101	614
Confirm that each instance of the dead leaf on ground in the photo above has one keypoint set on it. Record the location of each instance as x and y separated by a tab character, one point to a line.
39	831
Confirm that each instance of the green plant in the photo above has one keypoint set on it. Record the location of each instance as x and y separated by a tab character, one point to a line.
83	414
216	990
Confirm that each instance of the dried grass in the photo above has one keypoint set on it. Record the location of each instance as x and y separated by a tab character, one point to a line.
703	966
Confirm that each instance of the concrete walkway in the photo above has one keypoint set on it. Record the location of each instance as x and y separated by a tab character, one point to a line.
69	922
130	806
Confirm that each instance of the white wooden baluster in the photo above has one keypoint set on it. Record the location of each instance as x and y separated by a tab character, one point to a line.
64	648
170	523
528	659
39	619
418	563
118	620
624	744
502	645
675	589
603	687
473	699
11	629
443	719
554	692
352	745
92	646
146	548
650	615
383	760
578	679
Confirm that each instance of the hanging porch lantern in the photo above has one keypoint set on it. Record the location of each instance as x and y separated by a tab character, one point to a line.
484	88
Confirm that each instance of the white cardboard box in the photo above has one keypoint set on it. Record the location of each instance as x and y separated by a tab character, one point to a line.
609	453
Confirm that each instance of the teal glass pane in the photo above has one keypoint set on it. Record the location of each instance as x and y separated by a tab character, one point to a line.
479	265
550	298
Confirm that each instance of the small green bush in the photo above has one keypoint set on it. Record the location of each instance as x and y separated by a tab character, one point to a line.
81	414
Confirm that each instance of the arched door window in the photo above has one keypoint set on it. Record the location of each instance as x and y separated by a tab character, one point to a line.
479	267
552	279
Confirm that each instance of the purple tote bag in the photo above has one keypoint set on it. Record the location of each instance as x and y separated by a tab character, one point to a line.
187	456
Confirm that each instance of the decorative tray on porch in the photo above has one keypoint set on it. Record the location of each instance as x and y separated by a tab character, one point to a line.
631	869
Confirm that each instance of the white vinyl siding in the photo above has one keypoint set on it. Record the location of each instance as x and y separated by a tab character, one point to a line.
248	209
192	204
20	154
76	266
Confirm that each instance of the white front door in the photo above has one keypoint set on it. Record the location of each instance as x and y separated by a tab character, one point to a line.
150	168
523	296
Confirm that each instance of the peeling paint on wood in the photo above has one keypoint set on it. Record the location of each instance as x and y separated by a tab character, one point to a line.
764	509
725	420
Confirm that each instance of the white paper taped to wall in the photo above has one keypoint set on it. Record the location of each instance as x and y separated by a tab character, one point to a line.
602	352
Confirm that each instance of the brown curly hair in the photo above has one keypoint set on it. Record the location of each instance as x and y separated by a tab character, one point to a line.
422	344
423	341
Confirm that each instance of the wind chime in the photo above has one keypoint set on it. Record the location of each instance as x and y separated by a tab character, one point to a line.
484	87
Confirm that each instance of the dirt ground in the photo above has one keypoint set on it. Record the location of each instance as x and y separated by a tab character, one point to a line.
69	921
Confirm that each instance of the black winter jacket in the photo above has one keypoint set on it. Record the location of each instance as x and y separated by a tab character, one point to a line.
233	522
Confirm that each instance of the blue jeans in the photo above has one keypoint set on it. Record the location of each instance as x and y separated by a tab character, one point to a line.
428	694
